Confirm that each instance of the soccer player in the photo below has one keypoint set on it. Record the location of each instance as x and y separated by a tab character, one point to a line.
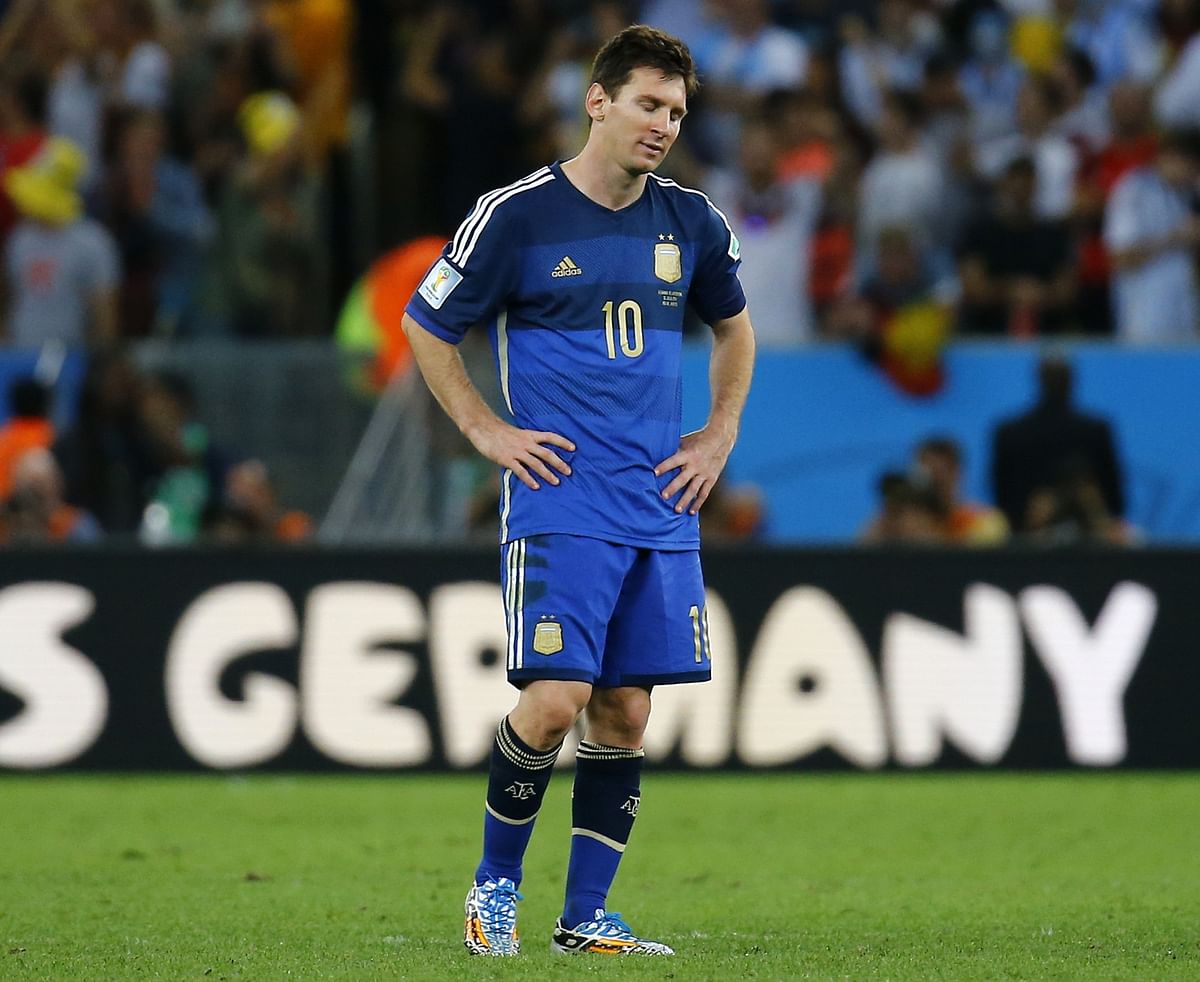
582	271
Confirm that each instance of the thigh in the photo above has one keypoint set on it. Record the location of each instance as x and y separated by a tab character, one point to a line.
658	633
559	595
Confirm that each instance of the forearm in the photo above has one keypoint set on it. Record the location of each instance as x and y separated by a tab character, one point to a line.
731	366
1142	252
446	375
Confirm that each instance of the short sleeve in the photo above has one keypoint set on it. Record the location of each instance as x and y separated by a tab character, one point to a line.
473	277
1121	226
716	292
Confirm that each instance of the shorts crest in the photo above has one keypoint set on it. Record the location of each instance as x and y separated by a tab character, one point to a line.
547	638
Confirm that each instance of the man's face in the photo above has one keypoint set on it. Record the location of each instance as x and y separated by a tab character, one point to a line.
640	125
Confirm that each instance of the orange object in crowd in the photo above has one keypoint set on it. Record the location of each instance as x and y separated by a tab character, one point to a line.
392	281
18	436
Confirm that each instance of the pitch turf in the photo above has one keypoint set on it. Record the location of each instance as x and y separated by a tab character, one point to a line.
980	876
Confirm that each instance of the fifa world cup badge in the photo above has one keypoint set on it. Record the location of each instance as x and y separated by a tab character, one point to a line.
547	638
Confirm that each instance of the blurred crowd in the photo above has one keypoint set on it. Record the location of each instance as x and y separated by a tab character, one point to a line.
898	172
1056	473
137	465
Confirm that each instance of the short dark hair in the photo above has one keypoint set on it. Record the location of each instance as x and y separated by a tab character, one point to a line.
639	46
942	446
29	399
1055	379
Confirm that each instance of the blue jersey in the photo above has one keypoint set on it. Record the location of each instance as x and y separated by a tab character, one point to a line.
585	308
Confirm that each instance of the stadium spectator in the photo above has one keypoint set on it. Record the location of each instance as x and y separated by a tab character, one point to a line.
1152	234
733	513
27	427
1118	36
270	242
1175	103
891	58
473	61
1016	269
901	186
132	64
154	206
1073	512
314	38
1084	118
190	470
808	131
945	130
939	464
249	510
742	57
774	221
990	79
22	131
1051	446
1054	158
832	271
107	458
64	50
909	514
313	41
550	104
35	513
900	316
1133	144
62	268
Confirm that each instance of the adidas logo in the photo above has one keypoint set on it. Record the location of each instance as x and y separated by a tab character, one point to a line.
566	267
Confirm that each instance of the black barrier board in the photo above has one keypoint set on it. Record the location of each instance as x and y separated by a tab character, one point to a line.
311	659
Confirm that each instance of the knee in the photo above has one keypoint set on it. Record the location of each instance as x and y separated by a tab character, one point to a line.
547	711
619	716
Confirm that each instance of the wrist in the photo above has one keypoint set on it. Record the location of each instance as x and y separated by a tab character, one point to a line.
724	427
477	427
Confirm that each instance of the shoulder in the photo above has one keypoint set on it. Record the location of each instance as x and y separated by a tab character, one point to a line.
693	202
498	209
699	212
1131	186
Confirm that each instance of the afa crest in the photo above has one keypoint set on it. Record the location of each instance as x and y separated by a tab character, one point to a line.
547	638
668	262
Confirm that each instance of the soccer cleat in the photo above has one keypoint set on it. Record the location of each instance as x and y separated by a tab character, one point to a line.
491	924
606	935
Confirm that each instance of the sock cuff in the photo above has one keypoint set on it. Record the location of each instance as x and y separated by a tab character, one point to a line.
600	751
518	752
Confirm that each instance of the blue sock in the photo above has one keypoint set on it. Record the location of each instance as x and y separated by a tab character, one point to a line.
517	781
604	804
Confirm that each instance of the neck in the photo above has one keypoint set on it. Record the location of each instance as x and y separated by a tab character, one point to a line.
603	181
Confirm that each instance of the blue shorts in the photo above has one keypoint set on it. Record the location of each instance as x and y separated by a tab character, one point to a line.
585	610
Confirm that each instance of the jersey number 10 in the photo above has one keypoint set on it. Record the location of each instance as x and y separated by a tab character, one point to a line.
627	324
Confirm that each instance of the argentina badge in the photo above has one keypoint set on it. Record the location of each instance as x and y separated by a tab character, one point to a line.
547	638
668	263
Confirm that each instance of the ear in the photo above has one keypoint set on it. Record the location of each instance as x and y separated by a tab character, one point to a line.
596	101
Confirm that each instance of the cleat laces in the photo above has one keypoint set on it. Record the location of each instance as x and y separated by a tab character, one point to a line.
612	925
498	907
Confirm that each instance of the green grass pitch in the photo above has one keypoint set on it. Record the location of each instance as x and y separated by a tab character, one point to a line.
776	876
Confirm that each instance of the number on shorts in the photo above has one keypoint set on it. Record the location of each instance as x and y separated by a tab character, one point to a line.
700	632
